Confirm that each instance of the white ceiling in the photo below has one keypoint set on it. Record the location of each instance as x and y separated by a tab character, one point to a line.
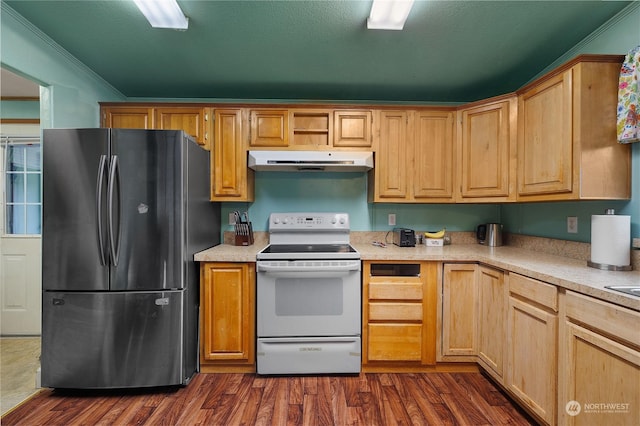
12	85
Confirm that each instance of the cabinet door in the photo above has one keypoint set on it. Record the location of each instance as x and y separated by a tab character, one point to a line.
432	175
532	357
487	156
352	129
599	363
545	139
459	311
128	117
229	177
492	298
392	158
194	121
227	319
269	128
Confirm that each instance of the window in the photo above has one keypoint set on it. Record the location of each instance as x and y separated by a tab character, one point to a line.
23	195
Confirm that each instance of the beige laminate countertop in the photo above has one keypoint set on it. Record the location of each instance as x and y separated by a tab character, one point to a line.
563	272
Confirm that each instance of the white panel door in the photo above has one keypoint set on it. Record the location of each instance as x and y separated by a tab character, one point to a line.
20	252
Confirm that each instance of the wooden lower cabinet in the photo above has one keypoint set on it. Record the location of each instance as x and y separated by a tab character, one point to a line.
399	315
531	345
459	314
599	363
492	301
227	317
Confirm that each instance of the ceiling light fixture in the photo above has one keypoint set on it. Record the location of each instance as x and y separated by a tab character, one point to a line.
389	14
163	14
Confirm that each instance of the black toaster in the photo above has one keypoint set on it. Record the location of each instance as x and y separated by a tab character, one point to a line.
404	237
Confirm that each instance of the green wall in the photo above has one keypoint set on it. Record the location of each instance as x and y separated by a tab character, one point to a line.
618	36
20	109
71	91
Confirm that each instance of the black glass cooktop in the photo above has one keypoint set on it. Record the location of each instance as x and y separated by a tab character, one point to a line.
308	248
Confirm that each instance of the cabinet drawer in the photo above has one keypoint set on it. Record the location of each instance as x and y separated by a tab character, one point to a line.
395	342
534	290
395	290
395	311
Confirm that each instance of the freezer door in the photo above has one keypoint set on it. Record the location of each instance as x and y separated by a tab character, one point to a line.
146	202
112	340
73	178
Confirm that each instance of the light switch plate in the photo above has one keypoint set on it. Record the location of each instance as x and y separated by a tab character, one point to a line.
572	224
392	219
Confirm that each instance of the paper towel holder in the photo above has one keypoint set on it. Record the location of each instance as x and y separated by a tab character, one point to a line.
606	267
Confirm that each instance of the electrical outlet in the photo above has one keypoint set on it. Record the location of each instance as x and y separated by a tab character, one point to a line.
392	219
232	219
572	224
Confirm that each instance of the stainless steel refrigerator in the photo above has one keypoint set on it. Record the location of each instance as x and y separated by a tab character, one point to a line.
124	211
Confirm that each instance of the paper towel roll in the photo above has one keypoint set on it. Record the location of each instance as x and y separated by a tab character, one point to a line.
611	240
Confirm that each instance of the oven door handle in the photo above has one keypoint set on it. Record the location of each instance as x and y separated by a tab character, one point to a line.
309	271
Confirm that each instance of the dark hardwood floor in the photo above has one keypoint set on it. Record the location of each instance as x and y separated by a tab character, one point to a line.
246	399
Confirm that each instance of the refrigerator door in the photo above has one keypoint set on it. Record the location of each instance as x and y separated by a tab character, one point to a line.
74	193
112	340
146	203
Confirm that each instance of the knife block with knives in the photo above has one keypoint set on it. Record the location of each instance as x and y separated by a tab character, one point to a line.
243	229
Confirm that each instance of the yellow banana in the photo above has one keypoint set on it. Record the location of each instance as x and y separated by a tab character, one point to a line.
439	234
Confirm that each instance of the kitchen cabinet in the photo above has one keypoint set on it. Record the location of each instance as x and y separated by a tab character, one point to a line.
311	128
194	120
433	167
227	321
531	367
459	317
231	179
352	128
127	117
567	148
391	146
414	156
269	128
399	314
492	301
486	151
599	362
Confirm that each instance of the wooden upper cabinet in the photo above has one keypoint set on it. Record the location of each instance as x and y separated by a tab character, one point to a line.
545	151
269	128
193	120
122	117
432	176
487	144
414	156
392	159
352	128
231	180
567	148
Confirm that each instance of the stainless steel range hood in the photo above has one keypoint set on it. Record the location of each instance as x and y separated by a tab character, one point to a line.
328	161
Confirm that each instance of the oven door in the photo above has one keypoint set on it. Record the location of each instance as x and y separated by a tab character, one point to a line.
308	298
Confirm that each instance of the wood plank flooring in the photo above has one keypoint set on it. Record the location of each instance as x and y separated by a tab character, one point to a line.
246	399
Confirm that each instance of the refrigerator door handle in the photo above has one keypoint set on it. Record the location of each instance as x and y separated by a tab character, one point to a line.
99	187
114	179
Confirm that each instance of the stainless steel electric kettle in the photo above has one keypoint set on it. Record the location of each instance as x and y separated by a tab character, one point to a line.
489	234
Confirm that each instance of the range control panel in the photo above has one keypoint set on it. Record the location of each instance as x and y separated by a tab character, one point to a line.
292	222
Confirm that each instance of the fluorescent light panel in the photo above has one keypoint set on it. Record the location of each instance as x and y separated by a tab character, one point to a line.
163	14
389	14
